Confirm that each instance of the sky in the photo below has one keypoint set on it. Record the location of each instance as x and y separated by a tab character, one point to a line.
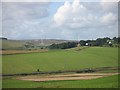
68	19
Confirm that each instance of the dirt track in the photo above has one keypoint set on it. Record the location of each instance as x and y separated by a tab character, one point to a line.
66	77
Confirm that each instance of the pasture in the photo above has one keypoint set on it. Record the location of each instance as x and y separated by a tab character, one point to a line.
10	52
20	44
105	82
54	60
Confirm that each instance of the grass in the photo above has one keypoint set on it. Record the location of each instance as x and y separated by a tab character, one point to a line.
106	82
53	60
19	44
9	52
60	60
12	44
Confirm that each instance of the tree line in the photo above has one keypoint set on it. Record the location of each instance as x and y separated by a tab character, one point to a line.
114	42
64	45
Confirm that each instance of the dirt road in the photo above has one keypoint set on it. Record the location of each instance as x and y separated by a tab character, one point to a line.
85	76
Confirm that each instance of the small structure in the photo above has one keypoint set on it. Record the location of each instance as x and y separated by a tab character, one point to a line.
110	43
86	44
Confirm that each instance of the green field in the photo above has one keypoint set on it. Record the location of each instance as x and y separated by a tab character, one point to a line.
19	44
106	82
54	60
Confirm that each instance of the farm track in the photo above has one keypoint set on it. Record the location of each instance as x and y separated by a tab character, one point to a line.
85	76
65	71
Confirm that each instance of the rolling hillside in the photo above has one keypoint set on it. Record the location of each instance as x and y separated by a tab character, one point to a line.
19	44
54	60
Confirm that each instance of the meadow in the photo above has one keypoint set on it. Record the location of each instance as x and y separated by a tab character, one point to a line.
53	60
105	82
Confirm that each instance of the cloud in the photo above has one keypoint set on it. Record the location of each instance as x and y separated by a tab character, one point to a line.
62	13
109	5
0	19
108	19
77	15
24	10
66	20
25	0
18	17
87	20
110	1
69	12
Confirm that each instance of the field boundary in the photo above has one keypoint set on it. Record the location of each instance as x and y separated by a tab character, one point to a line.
15	52
87	70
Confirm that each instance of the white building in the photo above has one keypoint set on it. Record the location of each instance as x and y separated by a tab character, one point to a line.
86	44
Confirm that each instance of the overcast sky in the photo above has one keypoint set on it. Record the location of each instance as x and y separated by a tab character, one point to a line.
59	20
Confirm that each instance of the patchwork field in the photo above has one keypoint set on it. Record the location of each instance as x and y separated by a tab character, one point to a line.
60	60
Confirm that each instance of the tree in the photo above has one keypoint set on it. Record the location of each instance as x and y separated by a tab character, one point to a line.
82	43
115	40
28	45
63	45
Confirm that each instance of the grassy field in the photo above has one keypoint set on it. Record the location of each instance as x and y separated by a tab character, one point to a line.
10	52
54	60
106	82
19	44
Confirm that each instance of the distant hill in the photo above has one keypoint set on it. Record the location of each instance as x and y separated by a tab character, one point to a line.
20	44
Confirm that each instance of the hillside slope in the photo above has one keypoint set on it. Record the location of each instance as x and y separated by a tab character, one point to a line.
56	60
20	44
